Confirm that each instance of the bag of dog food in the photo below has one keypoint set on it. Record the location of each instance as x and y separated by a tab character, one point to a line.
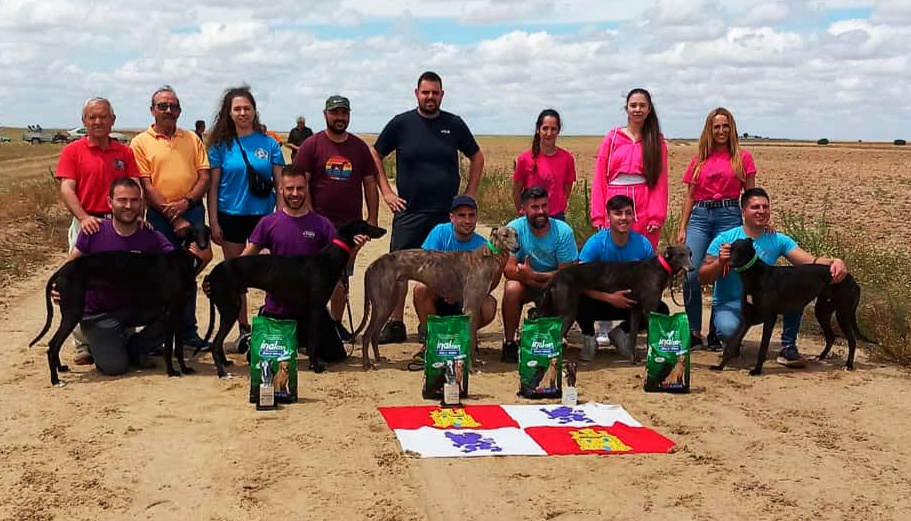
273	350
541	358
448	339
667	366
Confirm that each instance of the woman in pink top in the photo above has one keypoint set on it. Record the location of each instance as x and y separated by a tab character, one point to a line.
715	178
546	165
632	161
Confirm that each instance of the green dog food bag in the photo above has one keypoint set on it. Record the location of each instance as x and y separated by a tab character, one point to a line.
667	366
448	338
273	344
541	358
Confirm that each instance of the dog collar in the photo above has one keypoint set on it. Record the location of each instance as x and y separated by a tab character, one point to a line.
342	245
748	265
493	248
664	264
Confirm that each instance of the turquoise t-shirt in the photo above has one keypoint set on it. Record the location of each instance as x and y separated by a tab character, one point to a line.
443	238
600	247
234	195
547	252
770	247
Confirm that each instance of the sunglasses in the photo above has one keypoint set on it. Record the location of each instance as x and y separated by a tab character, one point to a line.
173	107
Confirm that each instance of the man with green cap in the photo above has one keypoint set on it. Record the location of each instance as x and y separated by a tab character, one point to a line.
342	176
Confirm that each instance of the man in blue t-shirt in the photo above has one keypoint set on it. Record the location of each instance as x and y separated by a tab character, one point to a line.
545	246
770	246
457	235
426	142
617	243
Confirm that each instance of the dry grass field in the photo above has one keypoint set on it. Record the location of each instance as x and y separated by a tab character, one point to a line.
818	443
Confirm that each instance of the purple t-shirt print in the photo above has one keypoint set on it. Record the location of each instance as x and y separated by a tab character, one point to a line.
283	234
107	239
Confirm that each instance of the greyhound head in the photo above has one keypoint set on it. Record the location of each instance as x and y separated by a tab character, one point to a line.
679	258
348	230
200	234
505	238
743	254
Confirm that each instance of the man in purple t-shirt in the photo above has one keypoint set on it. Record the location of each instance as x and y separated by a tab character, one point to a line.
107	318
342	177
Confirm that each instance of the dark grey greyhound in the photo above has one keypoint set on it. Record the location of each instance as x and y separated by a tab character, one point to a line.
158	285
645	279
464	276
769	291
303	282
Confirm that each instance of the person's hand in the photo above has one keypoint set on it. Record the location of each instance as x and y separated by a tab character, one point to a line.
55	295
216	233
724	258
681	236
620	299
175	209
839	270
652	228
144	224
524	271
89	224
205	255
181	226
394	202
359	241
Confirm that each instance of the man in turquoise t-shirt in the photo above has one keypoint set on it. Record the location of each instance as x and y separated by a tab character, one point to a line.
770	246
457	235
545	246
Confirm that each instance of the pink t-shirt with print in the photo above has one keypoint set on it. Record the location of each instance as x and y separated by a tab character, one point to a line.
552	173
716	179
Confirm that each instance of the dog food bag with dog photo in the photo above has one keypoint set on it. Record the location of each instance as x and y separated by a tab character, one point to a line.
448	339
273	350
667	366
541	358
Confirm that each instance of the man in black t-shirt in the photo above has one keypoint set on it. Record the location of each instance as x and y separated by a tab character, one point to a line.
298	135
426	142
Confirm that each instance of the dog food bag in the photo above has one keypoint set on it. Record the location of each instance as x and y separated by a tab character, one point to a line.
667	366
541	358
448	339
273	350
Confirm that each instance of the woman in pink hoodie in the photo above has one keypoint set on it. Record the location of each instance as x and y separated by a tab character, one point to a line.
632	161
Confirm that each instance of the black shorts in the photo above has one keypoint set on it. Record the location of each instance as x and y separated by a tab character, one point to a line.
237	228
445	309
409	230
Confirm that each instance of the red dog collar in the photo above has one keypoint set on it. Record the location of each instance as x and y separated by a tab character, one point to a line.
342	245
664	264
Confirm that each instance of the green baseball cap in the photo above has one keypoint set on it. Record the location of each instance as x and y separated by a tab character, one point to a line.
337	102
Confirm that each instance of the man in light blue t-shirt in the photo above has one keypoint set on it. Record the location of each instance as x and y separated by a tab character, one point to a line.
456	235
770	246
545	246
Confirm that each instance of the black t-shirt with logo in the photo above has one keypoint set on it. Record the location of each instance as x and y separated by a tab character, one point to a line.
427	157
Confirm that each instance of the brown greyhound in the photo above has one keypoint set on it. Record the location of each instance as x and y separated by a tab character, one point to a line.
459	276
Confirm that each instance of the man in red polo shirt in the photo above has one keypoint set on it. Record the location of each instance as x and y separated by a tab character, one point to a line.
86	169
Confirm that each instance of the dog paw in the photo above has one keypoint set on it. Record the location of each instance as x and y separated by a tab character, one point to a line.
187	370
478	362
755	372
849	367
63	368
318	368
716	368
229	363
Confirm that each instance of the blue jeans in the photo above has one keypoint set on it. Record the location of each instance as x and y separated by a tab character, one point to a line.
195	215
726	316
704	225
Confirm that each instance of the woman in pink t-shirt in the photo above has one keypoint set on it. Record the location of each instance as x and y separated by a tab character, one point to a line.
715	178
632	161
546	165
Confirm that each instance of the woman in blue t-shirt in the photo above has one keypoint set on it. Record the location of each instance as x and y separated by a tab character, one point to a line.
237	144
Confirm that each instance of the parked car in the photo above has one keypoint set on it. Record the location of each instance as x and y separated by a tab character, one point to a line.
79	132
4	139
36	135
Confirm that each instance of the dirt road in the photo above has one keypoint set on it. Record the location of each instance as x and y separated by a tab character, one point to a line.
817	443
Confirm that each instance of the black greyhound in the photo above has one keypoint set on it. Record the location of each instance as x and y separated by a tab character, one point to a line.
304	282
769	291
157	284
646	279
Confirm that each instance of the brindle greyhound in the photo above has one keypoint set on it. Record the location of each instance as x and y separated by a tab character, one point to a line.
646	279
459	276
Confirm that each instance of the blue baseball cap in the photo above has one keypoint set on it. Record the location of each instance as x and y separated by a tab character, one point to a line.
463	200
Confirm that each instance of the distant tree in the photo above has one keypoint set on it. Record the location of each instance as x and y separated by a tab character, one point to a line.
746	136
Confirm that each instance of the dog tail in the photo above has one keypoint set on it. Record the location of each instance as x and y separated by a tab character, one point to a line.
50	309
860	334
360	327
208	336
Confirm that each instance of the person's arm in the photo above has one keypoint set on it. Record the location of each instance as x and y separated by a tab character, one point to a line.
598	209
212	206
292	146
657	197
569	179
251	249
618	299
475	168
87	223
519	177
152	196
837	267
517	188
395	203
685	213
715	267
372	198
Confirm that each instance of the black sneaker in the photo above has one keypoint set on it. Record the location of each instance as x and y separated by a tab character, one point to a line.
789	356
695	341
198	344
393	332
714	343
343	333
510	353
245	333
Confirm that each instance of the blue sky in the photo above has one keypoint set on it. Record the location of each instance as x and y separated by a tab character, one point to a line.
800	69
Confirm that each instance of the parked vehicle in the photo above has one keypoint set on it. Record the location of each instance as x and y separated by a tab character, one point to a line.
79	132
36	135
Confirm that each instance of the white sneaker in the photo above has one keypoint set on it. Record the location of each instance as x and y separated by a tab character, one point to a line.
603	333
620	340
589	348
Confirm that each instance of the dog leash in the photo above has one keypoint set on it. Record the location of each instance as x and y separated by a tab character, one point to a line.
345	284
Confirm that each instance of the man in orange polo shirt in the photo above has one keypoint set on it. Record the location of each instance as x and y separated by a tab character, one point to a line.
175	178
86	168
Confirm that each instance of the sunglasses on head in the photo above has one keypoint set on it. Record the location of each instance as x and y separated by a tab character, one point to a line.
174	107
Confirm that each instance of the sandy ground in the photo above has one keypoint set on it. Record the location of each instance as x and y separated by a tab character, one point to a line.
818	443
